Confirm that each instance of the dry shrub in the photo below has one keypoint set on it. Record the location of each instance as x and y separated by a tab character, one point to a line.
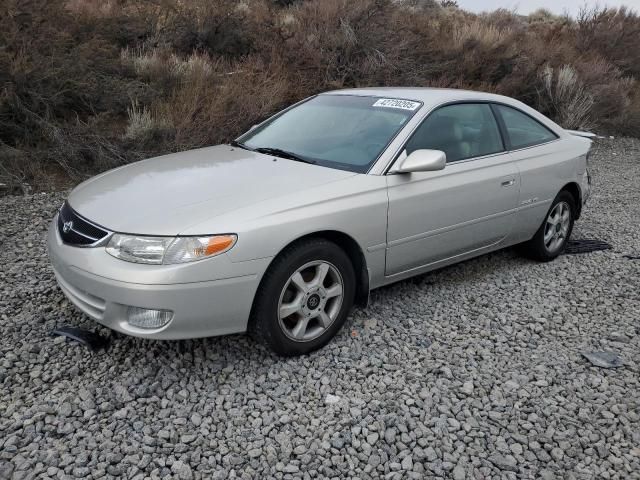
503	18
610	89
92	8
86	85
567	97
15	170
451	82
146	64
218	27
235	97
613	34
57	77
478	33
418	4
336	43
144	125
546	17
478	52
589	94
628	122
150	65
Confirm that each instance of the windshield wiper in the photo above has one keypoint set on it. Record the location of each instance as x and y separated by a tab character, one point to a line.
234	143
278	152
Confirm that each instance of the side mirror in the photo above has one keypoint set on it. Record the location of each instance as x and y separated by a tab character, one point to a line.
421	161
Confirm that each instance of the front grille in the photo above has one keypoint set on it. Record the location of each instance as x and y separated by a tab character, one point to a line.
75	230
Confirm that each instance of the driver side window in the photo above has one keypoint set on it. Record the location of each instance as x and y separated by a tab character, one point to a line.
461	131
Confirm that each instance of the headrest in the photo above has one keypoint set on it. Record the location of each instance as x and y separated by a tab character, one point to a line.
446	129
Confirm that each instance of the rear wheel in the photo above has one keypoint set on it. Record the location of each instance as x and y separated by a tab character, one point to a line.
552	236
304	298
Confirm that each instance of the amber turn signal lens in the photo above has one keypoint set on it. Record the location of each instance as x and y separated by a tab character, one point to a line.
190	249
219	244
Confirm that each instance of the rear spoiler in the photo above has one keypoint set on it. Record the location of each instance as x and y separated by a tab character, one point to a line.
578	133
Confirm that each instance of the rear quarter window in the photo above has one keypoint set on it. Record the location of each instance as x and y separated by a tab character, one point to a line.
523	130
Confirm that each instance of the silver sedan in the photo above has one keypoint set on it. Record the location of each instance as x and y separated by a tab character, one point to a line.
280	232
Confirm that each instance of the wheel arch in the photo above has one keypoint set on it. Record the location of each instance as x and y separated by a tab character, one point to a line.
574	189
353	251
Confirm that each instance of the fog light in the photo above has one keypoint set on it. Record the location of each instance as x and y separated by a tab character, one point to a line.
148	318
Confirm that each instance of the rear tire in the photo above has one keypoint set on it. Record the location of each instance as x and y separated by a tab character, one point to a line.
553	235
304	298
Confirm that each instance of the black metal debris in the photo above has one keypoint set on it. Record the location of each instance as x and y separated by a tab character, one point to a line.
585	245
94	341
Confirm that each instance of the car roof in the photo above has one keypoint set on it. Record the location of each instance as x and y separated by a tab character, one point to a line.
432	97
426	95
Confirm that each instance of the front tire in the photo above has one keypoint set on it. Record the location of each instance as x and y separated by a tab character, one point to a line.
304	298
553	235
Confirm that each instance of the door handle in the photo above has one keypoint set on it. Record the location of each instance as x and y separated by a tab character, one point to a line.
509	183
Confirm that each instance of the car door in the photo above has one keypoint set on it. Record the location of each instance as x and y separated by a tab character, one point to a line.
435	217
545	166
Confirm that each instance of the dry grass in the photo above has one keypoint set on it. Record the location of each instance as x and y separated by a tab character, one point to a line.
568	97
93	8
143	124
480	33
86	85
240	95
156	63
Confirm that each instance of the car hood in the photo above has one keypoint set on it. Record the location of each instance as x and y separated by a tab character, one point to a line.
166	195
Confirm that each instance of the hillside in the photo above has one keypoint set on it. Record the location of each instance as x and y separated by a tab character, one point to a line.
86	85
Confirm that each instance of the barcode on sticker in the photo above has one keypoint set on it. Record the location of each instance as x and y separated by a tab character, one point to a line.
395	103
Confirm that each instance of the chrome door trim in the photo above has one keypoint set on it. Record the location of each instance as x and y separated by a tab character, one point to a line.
534	146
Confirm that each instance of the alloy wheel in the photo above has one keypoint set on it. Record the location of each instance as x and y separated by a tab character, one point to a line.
310	301
557	226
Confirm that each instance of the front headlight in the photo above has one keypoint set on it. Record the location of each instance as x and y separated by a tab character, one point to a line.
168	250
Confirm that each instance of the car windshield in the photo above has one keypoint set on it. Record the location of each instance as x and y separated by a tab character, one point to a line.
339	131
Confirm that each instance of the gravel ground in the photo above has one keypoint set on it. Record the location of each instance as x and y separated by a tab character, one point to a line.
474	371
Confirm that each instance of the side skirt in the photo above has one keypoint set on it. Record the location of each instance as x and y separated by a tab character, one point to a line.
445	263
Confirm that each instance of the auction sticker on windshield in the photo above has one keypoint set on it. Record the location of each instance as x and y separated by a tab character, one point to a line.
395	103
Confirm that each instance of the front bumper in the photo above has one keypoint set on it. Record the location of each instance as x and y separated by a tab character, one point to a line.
207	298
